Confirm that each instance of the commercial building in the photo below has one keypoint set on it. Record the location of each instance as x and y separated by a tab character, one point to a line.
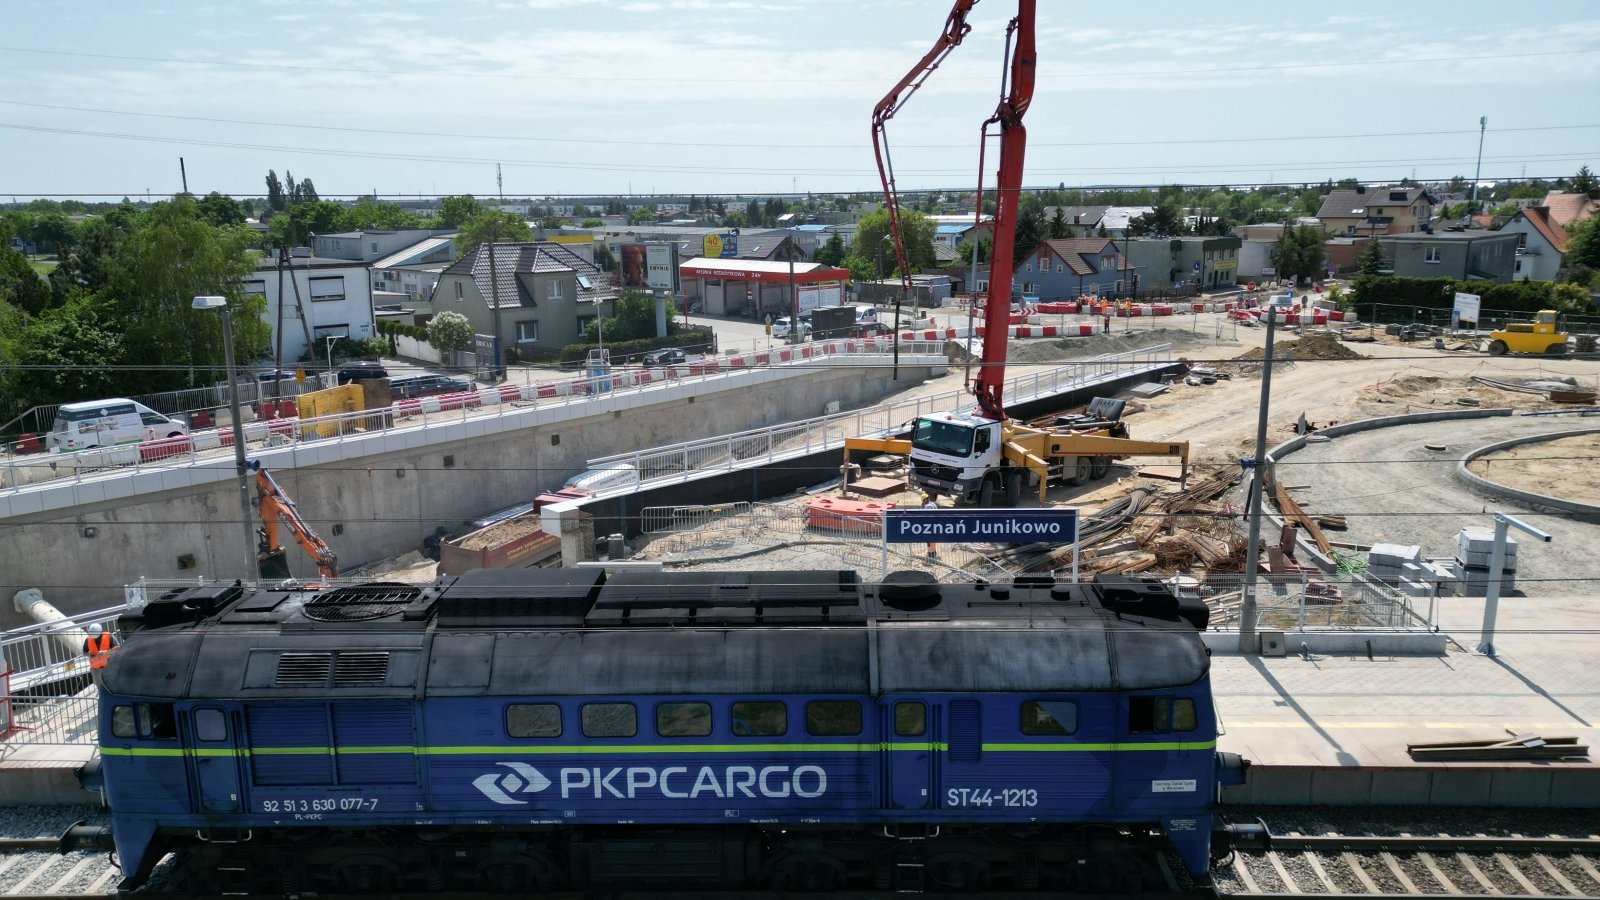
759	288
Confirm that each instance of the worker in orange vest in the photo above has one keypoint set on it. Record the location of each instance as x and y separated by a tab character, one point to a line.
97	646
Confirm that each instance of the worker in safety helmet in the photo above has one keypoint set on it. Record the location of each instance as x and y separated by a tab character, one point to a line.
97	646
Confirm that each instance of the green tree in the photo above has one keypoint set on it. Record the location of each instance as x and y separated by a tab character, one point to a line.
216	209
1300	252
20	286
832	251
1371	261
168	259
492	225
917	229
1570	298
633	316
456	210
752	214
603	258
1583	243
985	249
1058	225
368	213
303	220
591	223
69	353
1585	181
275	195
1030	231
89	264
449	331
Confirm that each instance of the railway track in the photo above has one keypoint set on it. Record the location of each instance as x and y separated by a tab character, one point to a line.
1336	866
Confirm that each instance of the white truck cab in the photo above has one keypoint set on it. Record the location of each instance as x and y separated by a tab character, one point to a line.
954	453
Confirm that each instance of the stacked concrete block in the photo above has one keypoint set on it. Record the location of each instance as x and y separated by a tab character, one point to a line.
1388	562
1474	550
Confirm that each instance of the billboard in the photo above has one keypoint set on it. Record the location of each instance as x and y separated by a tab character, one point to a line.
711	246
1466	307
633	265
661	266
730	245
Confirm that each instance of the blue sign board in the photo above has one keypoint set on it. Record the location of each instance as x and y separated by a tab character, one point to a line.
730	245
997	526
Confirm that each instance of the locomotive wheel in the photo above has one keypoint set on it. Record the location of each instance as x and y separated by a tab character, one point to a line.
958	872
808	872
367	873
1498	348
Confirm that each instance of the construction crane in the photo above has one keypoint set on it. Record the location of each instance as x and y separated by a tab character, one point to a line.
275	505
976	455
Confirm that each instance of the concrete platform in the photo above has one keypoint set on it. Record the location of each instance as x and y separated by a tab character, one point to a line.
44	775
1334	730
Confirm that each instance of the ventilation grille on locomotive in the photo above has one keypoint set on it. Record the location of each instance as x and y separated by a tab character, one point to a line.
361	601
304	669
354	668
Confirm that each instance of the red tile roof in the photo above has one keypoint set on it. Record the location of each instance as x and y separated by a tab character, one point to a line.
1539	217
1567	208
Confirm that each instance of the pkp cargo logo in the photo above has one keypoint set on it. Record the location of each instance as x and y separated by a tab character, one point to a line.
500	786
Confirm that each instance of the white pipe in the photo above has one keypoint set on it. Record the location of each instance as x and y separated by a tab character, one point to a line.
31	603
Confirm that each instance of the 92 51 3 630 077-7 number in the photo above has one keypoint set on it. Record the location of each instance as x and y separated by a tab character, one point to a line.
1015	798
319	804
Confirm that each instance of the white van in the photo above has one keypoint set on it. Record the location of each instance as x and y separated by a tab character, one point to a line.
102	423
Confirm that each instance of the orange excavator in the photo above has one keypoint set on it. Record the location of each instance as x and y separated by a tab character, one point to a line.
271	558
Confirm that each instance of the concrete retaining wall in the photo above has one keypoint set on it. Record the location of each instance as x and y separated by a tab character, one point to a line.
382	503
1572	509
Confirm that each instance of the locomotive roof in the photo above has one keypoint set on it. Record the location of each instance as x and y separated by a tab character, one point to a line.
576	632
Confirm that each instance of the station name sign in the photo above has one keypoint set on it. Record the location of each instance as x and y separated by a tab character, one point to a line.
1003	526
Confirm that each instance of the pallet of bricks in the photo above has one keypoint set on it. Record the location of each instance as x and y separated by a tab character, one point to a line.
1474	549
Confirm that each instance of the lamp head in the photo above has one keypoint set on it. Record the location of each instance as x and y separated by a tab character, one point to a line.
210	302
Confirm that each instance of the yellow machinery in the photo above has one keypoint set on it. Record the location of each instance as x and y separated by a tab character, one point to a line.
1538	336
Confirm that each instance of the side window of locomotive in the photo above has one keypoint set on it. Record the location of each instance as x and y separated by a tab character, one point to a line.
533	720
1045	717
910	718
1152	715
833	718
683	719
613	720
210	725
122	722
760	718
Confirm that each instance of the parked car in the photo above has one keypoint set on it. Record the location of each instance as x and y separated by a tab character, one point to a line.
361	371
427	384
869	329
104	423
865	314
781	327
670	356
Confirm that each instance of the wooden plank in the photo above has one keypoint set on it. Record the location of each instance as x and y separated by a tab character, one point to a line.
1292	510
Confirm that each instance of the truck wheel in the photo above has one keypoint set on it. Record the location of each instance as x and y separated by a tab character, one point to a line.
1556	350
1099	466
1013	488
1079	472
1498	348
986	493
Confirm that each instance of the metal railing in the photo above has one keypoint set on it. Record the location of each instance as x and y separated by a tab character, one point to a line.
762	445
1316	602
180	403
41	655
214	448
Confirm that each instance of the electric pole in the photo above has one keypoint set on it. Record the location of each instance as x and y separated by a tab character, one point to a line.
1483	124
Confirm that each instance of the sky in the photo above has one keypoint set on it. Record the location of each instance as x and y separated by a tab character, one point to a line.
408	98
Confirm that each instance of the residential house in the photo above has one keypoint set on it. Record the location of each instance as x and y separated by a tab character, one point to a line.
310	300
1540	244
1566	208
414	270
1083	219
370	245
1376	210
537	296
1073	267
1212	263
1462	255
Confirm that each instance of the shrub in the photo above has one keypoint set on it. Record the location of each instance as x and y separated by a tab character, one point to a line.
450	331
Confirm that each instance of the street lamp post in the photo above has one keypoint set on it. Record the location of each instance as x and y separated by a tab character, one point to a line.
240	468
331	339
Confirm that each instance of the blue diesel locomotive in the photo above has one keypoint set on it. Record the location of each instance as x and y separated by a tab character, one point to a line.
536	728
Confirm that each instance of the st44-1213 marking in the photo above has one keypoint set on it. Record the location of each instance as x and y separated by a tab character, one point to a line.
991	797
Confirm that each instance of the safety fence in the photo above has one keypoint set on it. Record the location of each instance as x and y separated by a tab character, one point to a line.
725	453
46	695
1317	602
214	447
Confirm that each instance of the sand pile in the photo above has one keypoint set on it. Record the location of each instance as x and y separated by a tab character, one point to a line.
1311	346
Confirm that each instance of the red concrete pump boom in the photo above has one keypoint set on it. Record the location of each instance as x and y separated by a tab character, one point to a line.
1015	98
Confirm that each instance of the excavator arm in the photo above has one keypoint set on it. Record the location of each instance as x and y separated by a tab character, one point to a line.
275	506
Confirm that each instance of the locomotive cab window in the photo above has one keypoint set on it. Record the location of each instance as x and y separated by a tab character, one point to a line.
1044	717
683	719
1154	715
151	721
833	718
602	720
533	720
910	718
760	718
210	725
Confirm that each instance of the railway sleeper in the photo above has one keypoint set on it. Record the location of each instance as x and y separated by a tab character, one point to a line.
802	859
